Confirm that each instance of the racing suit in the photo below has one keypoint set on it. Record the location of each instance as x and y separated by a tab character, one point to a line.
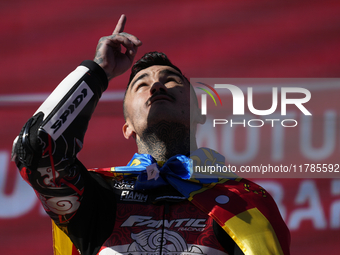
103	216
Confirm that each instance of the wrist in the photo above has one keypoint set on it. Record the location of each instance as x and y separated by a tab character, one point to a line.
98	71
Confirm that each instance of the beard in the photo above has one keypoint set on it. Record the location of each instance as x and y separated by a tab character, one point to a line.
164	140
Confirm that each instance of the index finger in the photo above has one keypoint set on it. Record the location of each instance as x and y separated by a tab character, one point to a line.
120	25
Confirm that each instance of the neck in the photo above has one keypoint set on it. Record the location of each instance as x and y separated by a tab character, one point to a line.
164	140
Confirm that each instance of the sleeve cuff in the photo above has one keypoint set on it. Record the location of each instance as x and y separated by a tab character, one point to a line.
98	72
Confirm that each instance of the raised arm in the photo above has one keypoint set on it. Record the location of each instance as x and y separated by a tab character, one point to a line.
45	150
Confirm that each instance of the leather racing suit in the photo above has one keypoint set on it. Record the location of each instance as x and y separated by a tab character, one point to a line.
103	216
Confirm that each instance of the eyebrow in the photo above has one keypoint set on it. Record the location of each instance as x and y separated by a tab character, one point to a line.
164	71
138	78
170	72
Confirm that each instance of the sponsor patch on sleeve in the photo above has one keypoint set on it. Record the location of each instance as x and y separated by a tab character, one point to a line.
68	111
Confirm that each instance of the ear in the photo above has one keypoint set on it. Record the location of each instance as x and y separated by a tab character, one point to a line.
128	131
199	118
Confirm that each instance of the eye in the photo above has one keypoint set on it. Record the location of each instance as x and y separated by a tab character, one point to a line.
140	85
174	79
170	79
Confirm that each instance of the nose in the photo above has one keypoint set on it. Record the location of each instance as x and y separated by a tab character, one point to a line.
157	86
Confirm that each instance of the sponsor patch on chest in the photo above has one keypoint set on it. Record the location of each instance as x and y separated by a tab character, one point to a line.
133	196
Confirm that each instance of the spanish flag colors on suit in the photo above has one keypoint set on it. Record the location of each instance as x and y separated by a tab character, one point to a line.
242	208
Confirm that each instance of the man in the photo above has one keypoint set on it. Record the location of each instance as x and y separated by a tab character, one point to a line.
151	206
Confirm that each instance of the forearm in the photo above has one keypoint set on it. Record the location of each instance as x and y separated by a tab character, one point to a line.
45	151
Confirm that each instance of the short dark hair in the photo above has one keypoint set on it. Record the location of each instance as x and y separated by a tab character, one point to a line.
149	59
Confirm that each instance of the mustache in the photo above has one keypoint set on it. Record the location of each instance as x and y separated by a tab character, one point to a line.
160	93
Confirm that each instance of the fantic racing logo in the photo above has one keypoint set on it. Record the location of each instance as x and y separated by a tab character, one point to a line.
187	224
239	105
